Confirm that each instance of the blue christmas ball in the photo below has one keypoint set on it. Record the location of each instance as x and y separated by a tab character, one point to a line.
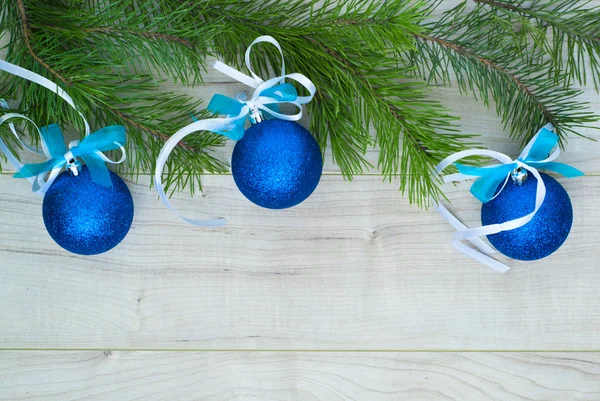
544	234
277	164
86	218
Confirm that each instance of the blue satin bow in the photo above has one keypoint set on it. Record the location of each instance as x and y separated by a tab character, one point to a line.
491	177
221	104
89	149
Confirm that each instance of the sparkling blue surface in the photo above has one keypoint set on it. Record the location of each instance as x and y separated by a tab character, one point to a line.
544	234
277	164
86	218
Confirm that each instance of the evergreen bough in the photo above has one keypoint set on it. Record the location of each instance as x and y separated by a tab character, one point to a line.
372	62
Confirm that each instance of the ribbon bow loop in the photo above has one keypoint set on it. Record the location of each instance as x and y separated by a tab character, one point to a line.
267	100
490	178
280	93
538	154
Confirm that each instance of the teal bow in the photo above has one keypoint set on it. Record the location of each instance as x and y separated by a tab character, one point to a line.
88	149
491	177
269	98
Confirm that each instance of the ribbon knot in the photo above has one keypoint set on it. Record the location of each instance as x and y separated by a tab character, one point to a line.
539	153
89	149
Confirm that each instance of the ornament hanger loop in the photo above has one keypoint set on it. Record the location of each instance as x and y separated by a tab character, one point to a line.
491	180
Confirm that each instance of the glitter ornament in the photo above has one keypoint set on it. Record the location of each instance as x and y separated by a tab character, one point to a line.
87	210
277	164
544	234
84	217
525	214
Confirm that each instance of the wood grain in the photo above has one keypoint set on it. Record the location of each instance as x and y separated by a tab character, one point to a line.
165	376
353	267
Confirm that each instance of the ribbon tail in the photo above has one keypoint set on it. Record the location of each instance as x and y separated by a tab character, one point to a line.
481	257
35	169
98	169
53	140
486	186
559	168
214	125
221	104
236	131
38	79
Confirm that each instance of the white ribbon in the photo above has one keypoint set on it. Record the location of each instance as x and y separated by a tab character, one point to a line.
46	83
219	125
40	183
473	234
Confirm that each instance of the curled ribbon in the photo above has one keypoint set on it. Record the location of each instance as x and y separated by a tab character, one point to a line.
539	153
267	96
89	149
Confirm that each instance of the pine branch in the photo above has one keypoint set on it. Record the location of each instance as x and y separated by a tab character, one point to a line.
488	58
27	34
575	33
153	35
370	61
113	57
548	115
351	51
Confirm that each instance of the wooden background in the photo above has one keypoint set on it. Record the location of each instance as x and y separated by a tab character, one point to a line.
353	295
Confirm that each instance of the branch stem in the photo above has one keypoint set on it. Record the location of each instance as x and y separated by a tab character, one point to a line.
127	118
156	35
27	34
490	64
534	14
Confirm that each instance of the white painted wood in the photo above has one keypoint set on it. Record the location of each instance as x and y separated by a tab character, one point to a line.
353	267
185	376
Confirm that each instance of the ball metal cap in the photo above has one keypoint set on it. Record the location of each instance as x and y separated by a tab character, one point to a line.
519	176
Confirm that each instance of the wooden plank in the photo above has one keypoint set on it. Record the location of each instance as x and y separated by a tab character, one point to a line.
353	267
183	376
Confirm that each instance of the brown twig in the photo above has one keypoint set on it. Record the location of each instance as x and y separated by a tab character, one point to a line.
163	36
490	64
27	33
499	4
